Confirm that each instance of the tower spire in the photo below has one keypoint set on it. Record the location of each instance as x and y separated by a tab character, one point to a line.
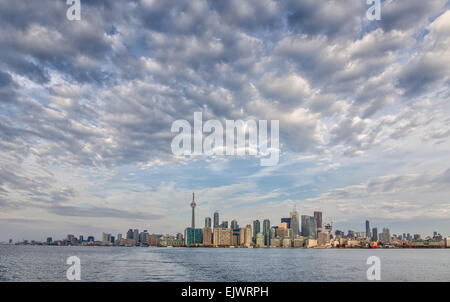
193	205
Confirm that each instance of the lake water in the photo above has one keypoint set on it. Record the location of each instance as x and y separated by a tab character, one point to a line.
48	263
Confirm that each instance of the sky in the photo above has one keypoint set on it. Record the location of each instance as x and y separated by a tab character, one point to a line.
86	109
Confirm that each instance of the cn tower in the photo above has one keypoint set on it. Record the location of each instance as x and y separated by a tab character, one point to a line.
193	205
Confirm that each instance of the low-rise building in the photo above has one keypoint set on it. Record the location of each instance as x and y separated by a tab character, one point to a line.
287	242
310	243
260	240
275	242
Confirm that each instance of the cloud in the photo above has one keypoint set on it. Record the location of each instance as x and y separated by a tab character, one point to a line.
430	66
401	15
82	102
101	212
402	197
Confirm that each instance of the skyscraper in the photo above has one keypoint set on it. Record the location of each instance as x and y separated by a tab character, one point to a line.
318	218
256	229
266	231
207	236
248	236
295	223
234	224
193	205
386	236
309	226
136	235
305	225
207	222
374	234
367	229
216	219
313	226
242	236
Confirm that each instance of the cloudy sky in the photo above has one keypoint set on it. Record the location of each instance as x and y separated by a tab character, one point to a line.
86	109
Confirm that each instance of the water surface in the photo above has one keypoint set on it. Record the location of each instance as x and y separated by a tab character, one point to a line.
48	263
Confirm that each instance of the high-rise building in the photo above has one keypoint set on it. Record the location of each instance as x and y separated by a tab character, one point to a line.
295	223
130	234
273	233
241	236
207	222
216	219
327	228
222	237
318	218
256	229
282	230
260	240
193	236
234	224
351	234
136	235
323	238
106	238
236	235
367	229
193	205
283	225
374	234
305	225
287	220
235	238
313	227
224	224
386	236
309	226
144	237
248	236
207	236
266	231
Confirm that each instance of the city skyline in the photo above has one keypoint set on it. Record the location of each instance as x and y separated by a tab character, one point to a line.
300	224
87	109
